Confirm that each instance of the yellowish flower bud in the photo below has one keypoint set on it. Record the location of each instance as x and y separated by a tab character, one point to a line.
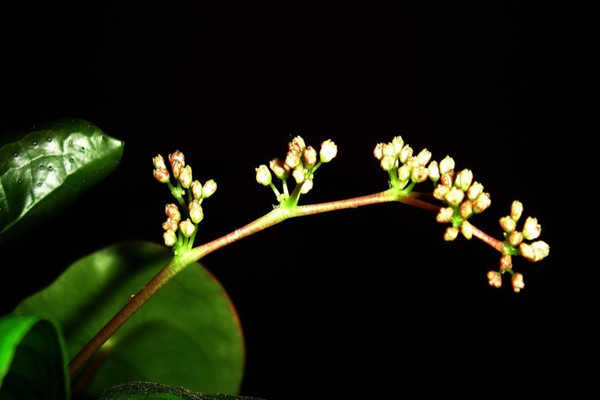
454	196
447	178
196	211
209	188
516	209
451	233
434	171
440	191
177	167
494	279
423	157
445	215
388	163
161	175
310	156
389	150
517	282
378	151
297	145
464	179
527	251
170	225
405	153
307	185
197	190
481	203
170	238
466	209
505	262
187	227
263	175
185	177
328	151
177	156
172	212
278	168
475	190
508	224
159	162
398	143
466	229
515	238
531	229
403	173
292	159
541	250
419	174
299	174
446	165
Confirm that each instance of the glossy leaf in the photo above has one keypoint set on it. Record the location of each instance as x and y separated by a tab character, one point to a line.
44	169
32	359
187	334
154	391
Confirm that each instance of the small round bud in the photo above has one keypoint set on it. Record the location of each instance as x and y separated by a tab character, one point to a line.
310	156
170	225
505	262
263	175
403	172
307	185
196	212
328	151
172	212
398	143
279	169
466	209
177	167
517	282
454	196
494	279
434	171
292	159
378	151
298	174
170	238
464	179
516	209
161	175
209	188
446	165
466	229
185	177
527	251
451	233
389	150
423	157
508	224
481	203
419	174
445	215
447	178
440	192
297	145
541	250
197	190
177	156
159	162
388	163
531	229
187	227
515	238
474	191
405	153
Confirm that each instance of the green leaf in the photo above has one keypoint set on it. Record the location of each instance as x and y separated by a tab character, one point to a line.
187	334
155	391
32	359
46	168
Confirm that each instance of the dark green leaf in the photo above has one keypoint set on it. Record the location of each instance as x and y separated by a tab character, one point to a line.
155	391
187	335
32	359
44	169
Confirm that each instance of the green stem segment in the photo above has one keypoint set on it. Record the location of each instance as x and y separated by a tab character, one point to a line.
274	217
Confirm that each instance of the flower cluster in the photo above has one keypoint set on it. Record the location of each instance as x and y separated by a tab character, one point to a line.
516	244
179	232
301	162
403	166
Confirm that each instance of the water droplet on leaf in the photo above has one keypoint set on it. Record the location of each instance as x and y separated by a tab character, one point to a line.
35	144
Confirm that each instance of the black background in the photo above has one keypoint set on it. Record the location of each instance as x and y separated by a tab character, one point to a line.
359	301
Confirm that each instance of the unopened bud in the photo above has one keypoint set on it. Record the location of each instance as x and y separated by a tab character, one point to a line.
516	209
328	151
310	156
531	229
307	185
278	168
263	175
292	159
451	233
378	151
419	174
515	238
446	165
440	192
389	150
454	196
172	212
170	238
398	143
159	162
209	188
177	156
481	203
197	190
445	215
475	190
423	157
464	179
388	163
505	262
466	209
185	177
161	175
170	225
297	145
298	174
405	153
541	250
187	227
517	282
196	212
403	173
527	251
466	229
494	279
177	167
434	171
508	224
447	179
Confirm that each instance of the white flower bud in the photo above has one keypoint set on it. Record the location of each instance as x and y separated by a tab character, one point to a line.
516	209
279	169
197	190
423	157
446	165
398	143
378	151
494	279
263	175
187	227
531	229
170	238
298	174
310	156
434	171
185	177
159	162
405	153
307	185
517	282
328	151
464	179
196	212
209	188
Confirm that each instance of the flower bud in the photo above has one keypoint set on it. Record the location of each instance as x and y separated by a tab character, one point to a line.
447	179
389	150
378	151
161	175
177	156
508	224
159	162
403	173
170	225
298	174
388	163
434	171
531	229
466	209
423	157
405	153
197	190
474	191
297	145
527	251
172	212
481	203
185	177
310	156
516	209
263	175
278	168
505	262
494	279
398	143
187	227
445	215
328	151
451	233
515	238
292	159
440	192
306	186
464	179
419	174
541	250
209	188
446	165
177	167
170	238
466	229
517	282
196	212
454	196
